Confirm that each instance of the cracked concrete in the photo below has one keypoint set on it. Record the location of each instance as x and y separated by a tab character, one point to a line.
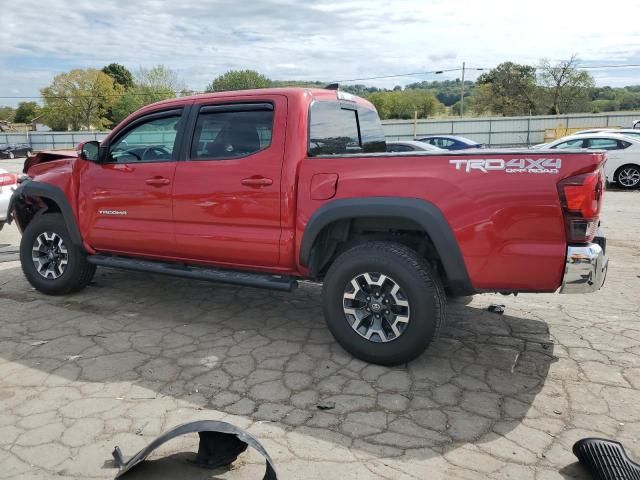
496	396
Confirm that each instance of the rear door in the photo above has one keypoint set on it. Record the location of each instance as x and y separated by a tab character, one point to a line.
125	203
226	197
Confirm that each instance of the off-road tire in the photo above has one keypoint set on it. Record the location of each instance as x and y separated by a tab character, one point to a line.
77	273
421	287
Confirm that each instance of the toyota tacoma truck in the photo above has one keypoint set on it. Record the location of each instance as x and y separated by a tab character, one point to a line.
267	187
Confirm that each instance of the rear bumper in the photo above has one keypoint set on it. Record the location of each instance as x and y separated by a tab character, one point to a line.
585	267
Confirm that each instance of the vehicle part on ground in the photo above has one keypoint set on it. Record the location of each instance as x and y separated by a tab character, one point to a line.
495	308
628	176
606	459
52	263
220	445
383	303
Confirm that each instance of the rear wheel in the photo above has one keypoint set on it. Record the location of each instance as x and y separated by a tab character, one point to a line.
50	261
628	176
383	303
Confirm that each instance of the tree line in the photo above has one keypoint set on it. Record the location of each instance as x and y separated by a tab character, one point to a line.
99	99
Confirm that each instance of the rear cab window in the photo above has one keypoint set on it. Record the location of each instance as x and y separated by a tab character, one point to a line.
340	128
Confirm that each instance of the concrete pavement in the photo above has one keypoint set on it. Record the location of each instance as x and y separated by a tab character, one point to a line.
497	396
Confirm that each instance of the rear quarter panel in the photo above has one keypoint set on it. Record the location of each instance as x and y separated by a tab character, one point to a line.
509	226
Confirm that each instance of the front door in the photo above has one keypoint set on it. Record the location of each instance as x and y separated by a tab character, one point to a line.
227	193
125	203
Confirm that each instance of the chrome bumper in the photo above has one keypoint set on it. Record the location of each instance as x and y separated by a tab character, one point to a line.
585	268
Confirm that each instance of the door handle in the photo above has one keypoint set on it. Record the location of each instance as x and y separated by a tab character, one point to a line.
257	182
157	181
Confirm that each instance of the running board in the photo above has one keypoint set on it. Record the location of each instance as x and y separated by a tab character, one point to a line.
233	277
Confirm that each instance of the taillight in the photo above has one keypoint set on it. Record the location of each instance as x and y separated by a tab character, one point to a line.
581	198
8	179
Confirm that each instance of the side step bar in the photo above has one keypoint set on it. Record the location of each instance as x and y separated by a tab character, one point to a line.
259	280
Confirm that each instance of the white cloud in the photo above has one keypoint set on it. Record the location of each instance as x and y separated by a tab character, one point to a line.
307	40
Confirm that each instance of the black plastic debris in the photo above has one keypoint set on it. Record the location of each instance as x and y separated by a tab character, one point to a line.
606	459
495	308
220	445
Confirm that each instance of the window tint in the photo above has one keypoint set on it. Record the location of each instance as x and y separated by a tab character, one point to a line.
371	131
570	144
335	129
229	134
602	143
151	141
399	148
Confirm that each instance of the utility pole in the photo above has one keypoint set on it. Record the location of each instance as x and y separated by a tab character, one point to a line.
462	92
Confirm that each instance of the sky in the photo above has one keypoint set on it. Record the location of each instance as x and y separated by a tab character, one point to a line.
310	40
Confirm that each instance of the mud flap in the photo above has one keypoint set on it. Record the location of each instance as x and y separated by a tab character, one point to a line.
606	459
220	445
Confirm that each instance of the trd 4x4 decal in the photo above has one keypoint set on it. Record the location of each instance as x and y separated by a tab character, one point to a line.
515	165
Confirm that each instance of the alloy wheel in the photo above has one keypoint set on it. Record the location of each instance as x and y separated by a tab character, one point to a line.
629	177
50	255
376	307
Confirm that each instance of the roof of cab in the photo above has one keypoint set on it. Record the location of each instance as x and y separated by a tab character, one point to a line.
313	93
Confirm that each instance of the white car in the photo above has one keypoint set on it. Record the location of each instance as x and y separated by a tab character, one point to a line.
623	154
411	146
629	132
8	183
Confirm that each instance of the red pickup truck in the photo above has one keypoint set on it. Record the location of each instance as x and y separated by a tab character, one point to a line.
266	187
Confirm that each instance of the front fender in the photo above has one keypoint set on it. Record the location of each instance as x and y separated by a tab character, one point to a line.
31	190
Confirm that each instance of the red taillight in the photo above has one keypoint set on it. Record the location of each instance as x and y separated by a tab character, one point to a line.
8	179
581	198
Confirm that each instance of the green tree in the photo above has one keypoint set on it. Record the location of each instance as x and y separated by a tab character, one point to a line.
26	112
120	74
566	88
136	98
7	114
161	78
509	89
80	99
239	80
404	104
150	85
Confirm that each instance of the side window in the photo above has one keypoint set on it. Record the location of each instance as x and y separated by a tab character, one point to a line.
570	144
230	134
151	141
399	148
333	130
622	144
602	144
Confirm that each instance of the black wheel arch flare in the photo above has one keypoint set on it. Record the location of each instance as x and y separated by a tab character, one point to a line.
31	188
422	212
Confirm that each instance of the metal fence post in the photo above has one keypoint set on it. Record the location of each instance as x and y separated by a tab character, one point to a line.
451	127
490	128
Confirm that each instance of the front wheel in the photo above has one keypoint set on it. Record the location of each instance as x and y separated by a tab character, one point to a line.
383	303
50	261
628	176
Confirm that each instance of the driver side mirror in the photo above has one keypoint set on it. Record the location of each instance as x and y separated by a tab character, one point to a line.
90	151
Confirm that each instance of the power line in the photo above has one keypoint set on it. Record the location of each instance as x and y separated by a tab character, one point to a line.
398	75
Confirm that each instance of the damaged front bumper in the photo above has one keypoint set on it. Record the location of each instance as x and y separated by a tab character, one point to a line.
585	267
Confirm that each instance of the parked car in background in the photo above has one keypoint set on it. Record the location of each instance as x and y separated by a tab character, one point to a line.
450	142
411	146
8	183
15	150
630	132
623	154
